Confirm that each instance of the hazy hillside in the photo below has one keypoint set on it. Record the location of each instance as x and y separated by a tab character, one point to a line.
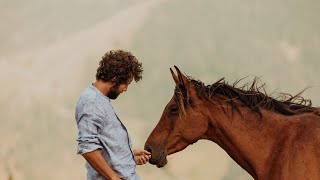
43	85
214	39
50	50
33	23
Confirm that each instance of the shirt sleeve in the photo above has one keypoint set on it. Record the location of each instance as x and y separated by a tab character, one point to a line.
89	125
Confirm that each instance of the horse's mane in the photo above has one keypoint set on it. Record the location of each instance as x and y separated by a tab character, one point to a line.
253	96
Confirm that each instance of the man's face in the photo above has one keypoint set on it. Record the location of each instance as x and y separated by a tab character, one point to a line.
116	90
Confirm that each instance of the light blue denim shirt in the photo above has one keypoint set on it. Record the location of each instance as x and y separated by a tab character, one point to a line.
100	128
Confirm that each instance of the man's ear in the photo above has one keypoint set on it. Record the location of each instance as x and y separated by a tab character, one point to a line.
113	81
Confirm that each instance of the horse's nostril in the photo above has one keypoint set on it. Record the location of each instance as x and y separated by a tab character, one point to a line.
147	148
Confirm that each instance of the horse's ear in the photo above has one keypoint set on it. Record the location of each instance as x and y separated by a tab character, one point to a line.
175	77
182	78
183	86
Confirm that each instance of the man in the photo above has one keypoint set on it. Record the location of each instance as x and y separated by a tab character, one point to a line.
103	140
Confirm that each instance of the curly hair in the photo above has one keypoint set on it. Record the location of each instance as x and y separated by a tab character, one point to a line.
119	66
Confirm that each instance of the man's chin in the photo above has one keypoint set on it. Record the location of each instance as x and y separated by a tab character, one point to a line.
113	98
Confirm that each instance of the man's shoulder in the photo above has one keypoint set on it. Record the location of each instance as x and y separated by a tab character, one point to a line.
87	95
90	98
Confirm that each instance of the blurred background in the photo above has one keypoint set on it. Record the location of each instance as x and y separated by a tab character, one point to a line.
49	52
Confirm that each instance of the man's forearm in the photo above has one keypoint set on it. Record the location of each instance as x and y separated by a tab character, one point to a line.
96	160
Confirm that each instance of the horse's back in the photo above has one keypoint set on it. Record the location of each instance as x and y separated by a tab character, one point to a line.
305	151
300	154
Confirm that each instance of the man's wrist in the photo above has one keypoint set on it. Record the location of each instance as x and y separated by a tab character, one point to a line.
114	177
134	152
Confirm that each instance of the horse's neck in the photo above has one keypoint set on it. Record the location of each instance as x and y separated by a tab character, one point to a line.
248	140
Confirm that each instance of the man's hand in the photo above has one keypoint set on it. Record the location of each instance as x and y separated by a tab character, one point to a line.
96	160
141	156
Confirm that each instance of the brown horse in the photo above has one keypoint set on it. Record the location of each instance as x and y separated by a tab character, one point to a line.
271	138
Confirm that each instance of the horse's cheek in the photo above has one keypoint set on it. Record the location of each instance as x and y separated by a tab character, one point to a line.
195	131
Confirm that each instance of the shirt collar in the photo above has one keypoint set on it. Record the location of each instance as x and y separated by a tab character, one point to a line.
91	86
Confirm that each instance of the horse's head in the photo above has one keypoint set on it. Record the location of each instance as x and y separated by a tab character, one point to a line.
183	122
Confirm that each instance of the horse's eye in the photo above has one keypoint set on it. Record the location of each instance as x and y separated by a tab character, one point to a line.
174	110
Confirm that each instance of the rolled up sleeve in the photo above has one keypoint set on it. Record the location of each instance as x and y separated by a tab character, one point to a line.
89	125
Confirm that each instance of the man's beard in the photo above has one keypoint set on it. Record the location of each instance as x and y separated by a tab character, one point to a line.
114	92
